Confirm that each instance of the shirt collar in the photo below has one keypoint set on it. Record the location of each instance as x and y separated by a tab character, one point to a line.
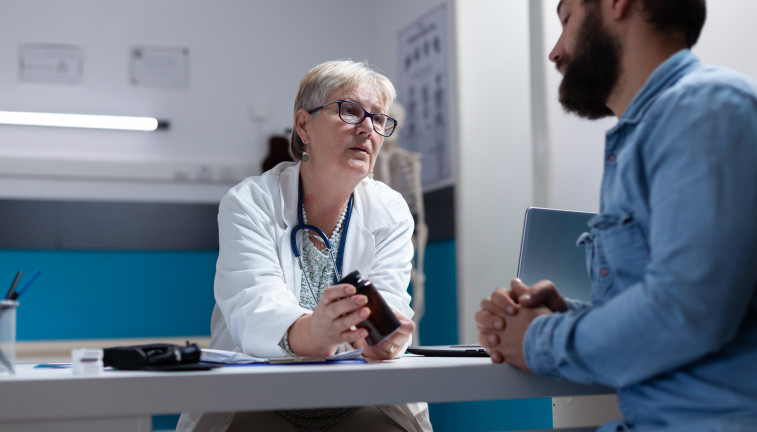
663	77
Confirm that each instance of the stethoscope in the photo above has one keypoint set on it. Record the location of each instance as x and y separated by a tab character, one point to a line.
302	226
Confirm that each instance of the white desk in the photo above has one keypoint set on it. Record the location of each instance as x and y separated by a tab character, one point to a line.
54	399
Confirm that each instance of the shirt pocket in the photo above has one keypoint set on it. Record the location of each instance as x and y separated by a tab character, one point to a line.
617	255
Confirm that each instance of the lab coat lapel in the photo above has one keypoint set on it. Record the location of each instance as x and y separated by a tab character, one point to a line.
289	189
360	245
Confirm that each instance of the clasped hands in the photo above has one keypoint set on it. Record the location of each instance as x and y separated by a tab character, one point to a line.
506	314
334	321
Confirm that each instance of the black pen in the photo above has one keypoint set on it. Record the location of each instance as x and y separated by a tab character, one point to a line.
11	290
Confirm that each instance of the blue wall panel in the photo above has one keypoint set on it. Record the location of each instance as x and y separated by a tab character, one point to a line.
439	322
439	327
112	294
486	416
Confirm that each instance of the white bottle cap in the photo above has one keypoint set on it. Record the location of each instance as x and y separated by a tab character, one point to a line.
87	361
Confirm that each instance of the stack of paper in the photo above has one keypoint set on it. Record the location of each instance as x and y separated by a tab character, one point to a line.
237	358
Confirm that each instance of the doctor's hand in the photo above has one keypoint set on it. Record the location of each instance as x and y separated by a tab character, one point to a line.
332	323
392	346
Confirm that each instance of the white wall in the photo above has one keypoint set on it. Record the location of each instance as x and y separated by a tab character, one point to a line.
576	146
494	183
244	55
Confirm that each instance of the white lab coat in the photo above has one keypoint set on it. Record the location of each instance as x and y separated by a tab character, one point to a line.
257	282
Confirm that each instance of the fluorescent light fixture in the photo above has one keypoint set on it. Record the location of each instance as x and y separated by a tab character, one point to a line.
82	121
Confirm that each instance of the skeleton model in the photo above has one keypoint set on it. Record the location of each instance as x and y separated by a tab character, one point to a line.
400	169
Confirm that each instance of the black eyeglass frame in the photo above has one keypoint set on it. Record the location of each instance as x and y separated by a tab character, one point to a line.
365	114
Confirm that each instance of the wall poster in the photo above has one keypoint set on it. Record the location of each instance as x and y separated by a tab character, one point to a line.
423	90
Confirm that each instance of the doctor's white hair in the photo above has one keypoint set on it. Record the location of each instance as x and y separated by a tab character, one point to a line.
337	75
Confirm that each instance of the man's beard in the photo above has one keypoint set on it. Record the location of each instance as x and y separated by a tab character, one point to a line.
590	75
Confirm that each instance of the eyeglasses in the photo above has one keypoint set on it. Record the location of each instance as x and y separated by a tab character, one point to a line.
352	113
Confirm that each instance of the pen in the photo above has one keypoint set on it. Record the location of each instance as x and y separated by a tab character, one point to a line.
11	290
52	366
26	285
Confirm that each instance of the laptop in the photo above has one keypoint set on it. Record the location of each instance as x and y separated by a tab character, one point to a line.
471	350
548	250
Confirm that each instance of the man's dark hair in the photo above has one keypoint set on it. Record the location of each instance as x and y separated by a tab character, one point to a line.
683	15
686	16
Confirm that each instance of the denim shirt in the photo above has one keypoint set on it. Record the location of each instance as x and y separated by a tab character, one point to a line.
672	257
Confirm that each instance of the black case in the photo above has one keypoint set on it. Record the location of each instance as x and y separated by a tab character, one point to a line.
158	356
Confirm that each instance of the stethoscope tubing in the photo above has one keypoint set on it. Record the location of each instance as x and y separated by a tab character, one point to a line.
303	226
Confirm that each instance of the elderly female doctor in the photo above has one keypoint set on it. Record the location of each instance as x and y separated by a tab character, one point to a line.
270	303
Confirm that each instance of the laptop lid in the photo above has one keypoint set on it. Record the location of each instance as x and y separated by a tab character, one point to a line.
548	250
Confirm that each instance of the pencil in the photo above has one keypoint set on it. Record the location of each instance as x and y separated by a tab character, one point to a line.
26	285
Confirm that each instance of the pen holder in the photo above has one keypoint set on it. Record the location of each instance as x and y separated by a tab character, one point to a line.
7	336
382	322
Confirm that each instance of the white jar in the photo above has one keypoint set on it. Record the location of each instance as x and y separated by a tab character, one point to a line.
87	361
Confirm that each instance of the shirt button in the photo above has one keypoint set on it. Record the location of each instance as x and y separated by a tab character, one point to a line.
605	271
611	158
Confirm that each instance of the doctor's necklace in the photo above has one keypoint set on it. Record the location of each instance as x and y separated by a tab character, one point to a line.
318	265
306	229
339	223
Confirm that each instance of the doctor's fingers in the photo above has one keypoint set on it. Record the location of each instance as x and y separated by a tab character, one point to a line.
337	292
350	320
336	307
407	327
353	335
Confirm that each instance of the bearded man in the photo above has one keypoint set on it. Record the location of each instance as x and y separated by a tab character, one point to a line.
672	254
